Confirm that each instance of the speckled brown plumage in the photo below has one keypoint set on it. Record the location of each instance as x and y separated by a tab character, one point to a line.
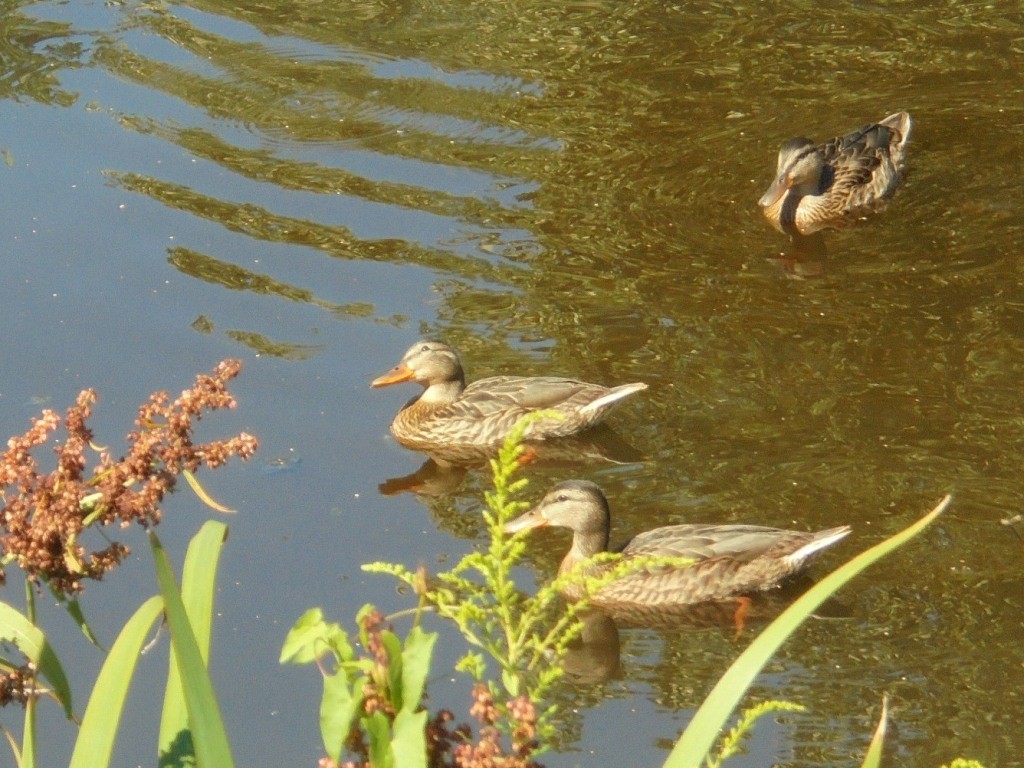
449	413
727	560
844	178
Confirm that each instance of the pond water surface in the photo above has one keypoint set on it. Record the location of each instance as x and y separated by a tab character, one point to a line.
555	188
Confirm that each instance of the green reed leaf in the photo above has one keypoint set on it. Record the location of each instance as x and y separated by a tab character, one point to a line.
873	758
95	743
206	725
198	584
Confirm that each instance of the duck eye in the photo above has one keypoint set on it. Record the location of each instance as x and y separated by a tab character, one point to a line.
562	497
425	348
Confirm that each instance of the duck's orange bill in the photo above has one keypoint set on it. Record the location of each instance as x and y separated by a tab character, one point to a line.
779	187
396	375
526	521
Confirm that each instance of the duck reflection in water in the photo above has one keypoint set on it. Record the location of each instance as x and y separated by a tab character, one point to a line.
443	473
594	658
804	258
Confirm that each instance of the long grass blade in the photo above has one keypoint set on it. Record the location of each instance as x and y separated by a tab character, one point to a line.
206	725
702	731
873	758
204	497
95	743
198	582
14	747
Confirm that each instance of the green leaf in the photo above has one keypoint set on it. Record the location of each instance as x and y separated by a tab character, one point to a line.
873	758
381	755
409	744
511	682
311	638
204	497
301	643
198	583
339	707
710	719
732	741
95	743
205	723
16	629
419	647
393	646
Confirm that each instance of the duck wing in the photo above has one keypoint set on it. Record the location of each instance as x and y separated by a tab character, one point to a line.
865	164
740	543
529	393
502	400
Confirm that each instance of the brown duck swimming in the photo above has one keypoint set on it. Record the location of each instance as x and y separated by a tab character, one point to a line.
727	560
450	413
844	178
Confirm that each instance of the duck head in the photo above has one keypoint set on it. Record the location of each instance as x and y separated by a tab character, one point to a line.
799	168
575	504
427	363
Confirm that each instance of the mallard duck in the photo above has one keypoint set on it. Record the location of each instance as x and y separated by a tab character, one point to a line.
727	561
448	413
819	185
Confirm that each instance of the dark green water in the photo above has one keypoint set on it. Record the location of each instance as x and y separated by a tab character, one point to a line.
554	188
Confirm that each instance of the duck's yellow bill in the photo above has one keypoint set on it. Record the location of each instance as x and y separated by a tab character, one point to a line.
526	521
396	375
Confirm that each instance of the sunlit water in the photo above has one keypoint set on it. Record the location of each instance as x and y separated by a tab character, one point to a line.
554	189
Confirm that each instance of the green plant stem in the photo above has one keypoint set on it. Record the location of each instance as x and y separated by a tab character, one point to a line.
28	738
30	602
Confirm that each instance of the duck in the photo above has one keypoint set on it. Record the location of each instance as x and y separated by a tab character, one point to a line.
450	414
839	180
724	562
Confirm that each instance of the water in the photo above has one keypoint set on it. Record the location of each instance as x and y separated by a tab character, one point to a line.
555	189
